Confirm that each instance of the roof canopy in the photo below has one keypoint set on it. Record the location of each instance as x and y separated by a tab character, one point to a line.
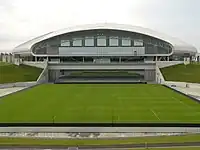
179	45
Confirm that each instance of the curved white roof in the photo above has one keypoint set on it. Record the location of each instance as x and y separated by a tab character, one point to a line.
179	46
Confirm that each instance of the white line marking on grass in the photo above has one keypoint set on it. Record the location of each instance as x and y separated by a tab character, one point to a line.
181	102
155	114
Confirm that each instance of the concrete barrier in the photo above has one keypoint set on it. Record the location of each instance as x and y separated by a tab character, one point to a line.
159	77
38	64
44	76
17	84
101	129
163	64
183	84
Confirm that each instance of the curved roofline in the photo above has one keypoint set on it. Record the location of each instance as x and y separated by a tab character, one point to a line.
176	43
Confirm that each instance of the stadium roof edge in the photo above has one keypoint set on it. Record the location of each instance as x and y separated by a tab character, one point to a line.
178	44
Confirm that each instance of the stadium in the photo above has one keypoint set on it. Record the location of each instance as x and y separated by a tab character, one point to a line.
114	54
104	47
96	74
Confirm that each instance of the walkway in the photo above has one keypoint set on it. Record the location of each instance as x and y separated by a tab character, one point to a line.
6	91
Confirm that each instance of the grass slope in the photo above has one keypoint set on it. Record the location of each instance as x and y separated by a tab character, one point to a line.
182	73
99	103
10	73
81	142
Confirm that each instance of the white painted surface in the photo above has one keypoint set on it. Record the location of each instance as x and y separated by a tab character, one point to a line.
7	91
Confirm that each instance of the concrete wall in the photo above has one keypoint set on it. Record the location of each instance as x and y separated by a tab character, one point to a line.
44	76
17	84
17	61
7	58
149	75
183	84
53	75
159	77
163	64
92	66
38	64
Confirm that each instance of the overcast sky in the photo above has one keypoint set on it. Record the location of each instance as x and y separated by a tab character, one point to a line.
21	20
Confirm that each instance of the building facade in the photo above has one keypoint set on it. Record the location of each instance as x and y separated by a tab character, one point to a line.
105	42
104	47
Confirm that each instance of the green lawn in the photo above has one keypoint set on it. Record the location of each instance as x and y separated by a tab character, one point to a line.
99	103
182	73
72	142
12	73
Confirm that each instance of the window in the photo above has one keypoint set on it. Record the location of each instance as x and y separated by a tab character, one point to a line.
101	41
89	41
113	41
126	42
65	43
77	42
138	42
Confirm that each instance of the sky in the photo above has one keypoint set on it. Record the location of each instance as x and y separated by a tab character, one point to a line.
22	20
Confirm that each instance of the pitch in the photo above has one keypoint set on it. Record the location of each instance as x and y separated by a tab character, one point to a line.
136	103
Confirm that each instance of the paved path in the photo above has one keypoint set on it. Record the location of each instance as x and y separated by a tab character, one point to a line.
6	91
101	147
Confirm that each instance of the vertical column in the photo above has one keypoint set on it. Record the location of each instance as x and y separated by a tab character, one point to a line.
156	58
168	58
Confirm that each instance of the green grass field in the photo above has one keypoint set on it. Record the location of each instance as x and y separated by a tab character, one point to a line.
182	73
81	142
12	73
99	103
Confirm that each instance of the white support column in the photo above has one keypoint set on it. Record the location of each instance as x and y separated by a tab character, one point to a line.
168	58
